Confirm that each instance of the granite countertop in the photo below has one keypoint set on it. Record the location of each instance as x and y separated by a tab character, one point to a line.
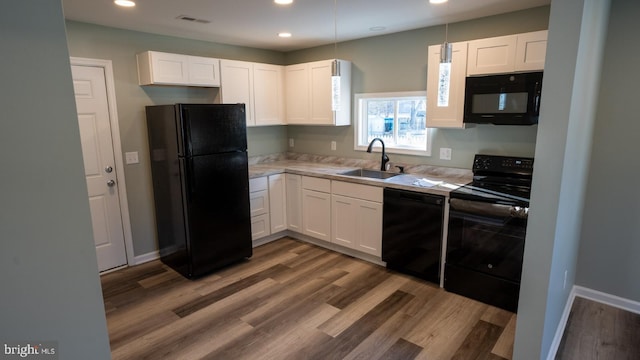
420	182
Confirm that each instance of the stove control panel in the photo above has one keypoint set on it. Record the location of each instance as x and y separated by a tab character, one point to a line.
502	164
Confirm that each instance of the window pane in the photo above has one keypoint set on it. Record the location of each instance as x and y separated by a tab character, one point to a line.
380	119
411	124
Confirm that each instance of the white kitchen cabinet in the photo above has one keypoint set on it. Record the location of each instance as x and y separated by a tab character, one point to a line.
277	203
259	207
308	94
356	217
258	86
316	207
293	185
492	55
160	68
505	54
446	114
531	50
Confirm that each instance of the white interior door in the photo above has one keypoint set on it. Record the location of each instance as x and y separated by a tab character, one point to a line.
97	149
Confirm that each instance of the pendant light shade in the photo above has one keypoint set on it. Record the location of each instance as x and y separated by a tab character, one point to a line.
444	73
335	85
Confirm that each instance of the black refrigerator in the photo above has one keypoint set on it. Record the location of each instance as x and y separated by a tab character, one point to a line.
200	177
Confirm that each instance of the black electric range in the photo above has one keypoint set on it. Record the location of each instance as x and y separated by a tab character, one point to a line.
486	234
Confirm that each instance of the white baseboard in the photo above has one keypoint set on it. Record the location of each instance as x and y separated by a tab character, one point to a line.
608	299
594	295
150	256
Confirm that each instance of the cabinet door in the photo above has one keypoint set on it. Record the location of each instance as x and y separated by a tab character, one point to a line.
492	56
297	94
316	214
446	114
531	51
237	85
277	203
204	71
294	202
268	94
320	112
163	68
369	227
344	220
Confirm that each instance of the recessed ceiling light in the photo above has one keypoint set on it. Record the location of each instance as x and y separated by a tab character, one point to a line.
283	2
125	3
437	1
377	28
284	35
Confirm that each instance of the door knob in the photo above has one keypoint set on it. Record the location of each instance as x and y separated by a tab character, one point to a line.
111	183
108	169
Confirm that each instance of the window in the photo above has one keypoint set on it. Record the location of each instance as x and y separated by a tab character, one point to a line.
399	119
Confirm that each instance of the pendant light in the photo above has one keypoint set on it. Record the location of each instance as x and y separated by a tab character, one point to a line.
444	71
335	65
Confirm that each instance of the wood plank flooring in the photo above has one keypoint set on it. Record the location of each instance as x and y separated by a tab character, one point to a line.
294	300
598	331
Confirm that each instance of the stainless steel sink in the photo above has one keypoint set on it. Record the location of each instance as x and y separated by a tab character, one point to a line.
373	174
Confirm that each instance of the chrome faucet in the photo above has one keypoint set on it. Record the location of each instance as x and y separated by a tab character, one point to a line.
385	158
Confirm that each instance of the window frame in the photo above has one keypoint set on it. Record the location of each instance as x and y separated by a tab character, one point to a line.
358	124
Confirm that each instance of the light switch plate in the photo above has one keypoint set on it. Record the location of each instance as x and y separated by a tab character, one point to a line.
290	142
131	157
445	153
333	145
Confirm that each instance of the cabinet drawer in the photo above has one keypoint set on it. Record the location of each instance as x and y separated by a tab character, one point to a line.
317	184
258	184
260	226
358	191
259	202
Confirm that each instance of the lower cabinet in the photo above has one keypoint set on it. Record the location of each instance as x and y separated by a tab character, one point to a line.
293	196
316	207
356	217
277	203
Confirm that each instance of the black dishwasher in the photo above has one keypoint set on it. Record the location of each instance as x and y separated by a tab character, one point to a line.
412	233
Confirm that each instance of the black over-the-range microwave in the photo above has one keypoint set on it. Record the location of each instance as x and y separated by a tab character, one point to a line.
506	99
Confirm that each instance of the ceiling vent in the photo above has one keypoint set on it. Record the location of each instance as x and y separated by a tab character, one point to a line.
192	19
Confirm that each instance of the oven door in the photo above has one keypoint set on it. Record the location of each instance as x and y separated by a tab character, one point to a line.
485	247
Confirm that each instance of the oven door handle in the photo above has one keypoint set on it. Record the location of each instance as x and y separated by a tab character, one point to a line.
489	209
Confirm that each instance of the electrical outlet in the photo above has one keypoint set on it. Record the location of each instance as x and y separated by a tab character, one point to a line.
131	157
445	153
290	142
333	145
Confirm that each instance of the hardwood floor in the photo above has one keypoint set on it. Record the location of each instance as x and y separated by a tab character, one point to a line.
598	331
294	300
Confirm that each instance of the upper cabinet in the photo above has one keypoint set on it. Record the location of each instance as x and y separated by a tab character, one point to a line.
446	113
505	54
159	68
258	86
308	94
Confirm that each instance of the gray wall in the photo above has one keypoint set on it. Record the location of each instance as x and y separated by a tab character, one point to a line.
121	46
610	243
398	62
577	32
48	268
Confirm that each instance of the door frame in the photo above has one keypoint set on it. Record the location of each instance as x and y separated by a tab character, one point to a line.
107	66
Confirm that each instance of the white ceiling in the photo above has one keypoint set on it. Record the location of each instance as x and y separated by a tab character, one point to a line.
256	23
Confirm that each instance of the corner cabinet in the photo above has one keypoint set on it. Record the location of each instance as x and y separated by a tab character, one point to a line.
258	86
294	202
308	94
449	116
504	54
159	68
277	203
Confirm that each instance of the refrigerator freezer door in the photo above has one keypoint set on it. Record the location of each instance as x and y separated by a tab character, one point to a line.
212	128
217	202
